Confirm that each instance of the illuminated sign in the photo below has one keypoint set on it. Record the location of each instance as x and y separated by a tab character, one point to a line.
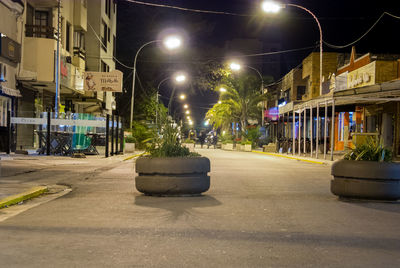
103	81
363	76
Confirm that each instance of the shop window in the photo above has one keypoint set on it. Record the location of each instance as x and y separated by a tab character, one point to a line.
5	105
104	67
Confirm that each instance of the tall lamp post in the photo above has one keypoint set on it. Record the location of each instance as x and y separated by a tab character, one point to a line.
171	43
179	78
236	67
274	7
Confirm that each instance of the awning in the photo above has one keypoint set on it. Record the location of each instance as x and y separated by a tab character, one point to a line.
10	92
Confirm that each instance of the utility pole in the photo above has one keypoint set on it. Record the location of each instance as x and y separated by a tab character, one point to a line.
57	69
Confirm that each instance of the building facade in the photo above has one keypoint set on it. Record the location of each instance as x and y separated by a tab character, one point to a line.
10	57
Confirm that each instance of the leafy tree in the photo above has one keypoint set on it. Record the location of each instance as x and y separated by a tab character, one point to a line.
239	103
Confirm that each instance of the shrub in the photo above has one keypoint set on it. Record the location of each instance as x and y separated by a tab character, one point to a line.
189	141
130	139
141	133
370	151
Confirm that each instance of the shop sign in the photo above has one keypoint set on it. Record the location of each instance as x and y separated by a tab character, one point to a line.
363	76
103	81
10	49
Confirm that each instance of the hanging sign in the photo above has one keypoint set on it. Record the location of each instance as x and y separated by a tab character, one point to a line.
103	81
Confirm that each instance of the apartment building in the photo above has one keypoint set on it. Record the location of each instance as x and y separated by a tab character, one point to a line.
10	57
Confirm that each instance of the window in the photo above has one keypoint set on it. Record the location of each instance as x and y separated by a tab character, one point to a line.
68	37
108	8
108	34
3	72
114	46
104	34
5	105
104	67
79	44
301	90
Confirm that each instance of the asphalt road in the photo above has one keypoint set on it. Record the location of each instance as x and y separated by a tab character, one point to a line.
260	211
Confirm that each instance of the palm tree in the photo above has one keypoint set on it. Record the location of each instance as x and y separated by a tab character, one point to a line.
239	103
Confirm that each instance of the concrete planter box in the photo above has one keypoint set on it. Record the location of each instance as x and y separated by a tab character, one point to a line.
270	148
172	176
190	146
366	180
228	146
129	148
239	147
246	147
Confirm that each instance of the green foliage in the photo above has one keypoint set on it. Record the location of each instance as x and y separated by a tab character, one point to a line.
189	141
141	132
167	142
253	134
130	139
239	103
246	142
370	151
226	138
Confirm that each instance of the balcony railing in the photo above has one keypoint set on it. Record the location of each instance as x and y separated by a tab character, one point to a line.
39	31
81	53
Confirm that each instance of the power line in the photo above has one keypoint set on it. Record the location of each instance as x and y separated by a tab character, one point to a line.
362	36
189	9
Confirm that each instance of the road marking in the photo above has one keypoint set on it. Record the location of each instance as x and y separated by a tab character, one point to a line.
290	157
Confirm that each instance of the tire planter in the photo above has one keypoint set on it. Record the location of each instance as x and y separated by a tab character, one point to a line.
172	176
366	180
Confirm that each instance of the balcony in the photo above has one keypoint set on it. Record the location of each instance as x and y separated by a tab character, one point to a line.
80	15
40	31
39	57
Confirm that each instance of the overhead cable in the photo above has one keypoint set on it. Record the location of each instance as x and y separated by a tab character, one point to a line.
362	36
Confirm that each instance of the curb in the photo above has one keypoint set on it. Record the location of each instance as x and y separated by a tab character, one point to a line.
133	156
290	157
15	199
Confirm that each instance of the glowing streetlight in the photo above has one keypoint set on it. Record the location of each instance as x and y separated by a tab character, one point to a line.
187	112
222	89
180	78
190	123
186	106
219	102
182	96
235	66
171	43
273	7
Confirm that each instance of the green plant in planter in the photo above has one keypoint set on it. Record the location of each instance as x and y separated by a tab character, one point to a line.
189	141
167	142
369	151
245	142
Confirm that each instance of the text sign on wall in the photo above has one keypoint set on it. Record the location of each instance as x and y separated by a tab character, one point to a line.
363	76
103	81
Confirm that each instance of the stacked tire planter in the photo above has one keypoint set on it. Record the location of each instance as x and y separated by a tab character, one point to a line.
366	180
172	176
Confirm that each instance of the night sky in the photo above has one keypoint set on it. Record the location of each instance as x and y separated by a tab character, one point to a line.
342	22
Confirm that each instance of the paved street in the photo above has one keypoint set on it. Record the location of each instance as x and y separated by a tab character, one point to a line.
261	211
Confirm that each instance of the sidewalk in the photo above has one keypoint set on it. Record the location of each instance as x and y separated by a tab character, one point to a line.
16	170
307	158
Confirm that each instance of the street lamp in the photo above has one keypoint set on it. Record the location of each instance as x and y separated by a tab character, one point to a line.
219	102
182	96
171	43
179	78
236	67
186	106
274	7
222	89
